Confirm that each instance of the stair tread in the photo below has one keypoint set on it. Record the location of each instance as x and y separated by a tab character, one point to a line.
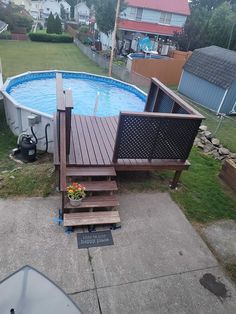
96	201
90	171
91	218
94	186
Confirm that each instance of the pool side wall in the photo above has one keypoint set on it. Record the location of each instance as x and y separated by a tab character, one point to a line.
17	120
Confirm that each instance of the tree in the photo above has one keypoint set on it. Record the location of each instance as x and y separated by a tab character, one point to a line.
211	23
105	15
220	25
50	24
57	25
15	16
63	12
194	34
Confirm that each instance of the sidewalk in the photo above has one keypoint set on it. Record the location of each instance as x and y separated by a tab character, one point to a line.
154	266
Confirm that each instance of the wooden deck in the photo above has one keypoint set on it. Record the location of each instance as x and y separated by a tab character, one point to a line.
92	144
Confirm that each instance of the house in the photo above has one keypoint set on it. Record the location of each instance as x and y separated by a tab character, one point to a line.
158	20
26	4
209	78
41	9
82	13
3	26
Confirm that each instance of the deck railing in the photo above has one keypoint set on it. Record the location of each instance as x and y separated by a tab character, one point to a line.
63	119
165	131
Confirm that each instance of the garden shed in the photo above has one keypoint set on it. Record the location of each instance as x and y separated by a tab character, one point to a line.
209	78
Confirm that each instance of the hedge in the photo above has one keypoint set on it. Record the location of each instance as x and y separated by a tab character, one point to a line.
54	38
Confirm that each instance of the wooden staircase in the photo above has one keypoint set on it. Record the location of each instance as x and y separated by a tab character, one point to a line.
98	205
99	198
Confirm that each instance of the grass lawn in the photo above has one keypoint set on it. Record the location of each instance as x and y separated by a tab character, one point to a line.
226	132
21	56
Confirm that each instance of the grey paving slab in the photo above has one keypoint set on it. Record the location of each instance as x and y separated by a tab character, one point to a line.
221	236
87	302
177	294
28	236
155	240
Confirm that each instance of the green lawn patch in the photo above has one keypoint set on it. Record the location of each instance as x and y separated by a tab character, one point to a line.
22	56
202	195
226	132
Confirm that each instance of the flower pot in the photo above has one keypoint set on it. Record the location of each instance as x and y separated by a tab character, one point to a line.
75	203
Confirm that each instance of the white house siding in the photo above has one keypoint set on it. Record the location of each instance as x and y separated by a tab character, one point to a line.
82	13
106	40
201	91
153	16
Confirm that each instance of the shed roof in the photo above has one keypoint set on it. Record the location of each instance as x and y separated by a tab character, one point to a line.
214	64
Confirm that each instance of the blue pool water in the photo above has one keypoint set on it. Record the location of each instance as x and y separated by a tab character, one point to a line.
39	93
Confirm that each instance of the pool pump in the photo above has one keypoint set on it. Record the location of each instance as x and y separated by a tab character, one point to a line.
27	147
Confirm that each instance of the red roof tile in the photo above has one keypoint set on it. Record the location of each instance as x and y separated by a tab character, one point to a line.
173	6
144	27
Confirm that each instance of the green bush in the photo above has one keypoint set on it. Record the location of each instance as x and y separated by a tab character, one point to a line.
5	35
54	38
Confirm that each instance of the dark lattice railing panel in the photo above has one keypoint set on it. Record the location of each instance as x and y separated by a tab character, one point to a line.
148	137
164	103
136	137
180	110
175	138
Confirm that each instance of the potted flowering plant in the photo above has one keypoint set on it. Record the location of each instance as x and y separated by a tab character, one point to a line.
75	193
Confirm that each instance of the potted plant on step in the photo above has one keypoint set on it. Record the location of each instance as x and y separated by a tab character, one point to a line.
75	193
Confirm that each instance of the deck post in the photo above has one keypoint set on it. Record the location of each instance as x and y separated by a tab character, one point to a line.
175	179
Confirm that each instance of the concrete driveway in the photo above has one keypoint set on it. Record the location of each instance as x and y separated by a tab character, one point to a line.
156	265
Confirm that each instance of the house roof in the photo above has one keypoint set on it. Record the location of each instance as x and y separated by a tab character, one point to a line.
3	25
213	64
173	6
151	28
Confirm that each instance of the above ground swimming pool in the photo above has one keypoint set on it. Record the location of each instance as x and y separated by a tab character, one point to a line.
32	97
37	91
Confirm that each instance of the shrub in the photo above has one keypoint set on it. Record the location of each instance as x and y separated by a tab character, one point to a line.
54	38
5	35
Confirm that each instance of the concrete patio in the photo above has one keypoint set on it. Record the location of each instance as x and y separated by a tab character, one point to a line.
154	266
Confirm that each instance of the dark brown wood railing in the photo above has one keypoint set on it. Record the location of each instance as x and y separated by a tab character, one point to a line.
162	99
63	122
166	130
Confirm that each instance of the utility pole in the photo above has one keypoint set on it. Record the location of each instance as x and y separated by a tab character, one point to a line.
231	35
114	37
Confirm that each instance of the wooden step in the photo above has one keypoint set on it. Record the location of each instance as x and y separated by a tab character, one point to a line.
95	202
90	171
97	186
91	218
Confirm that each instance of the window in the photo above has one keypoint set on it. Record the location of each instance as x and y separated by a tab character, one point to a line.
165	18
133	12
139	14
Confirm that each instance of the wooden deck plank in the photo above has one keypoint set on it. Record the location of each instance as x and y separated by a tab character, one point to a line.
91	218
90	171
95	186
76	143
82	141
108	141
102	141
95	202
73	139
88	141
95	143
